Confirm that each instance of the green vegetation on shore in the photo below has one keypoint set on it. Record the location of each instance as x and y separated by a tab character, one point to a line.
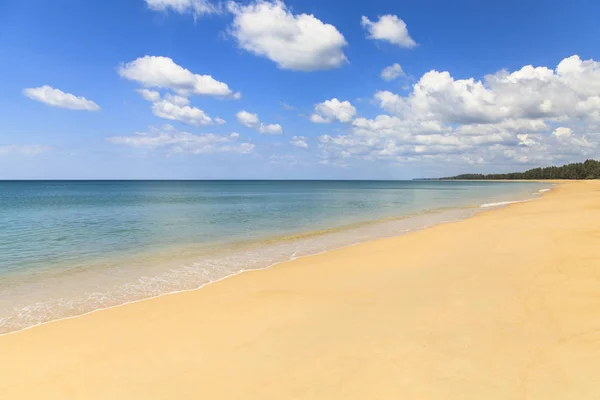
590	169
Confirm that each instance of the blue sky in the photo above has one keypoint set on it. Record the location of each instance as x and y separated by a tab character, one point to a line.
296	89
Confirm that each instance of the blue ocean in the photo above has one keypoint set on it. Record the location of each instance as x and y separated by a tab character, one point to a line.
72	247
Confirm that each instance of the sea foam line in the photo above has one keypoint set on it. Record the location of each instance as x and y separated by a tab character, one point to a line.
501	203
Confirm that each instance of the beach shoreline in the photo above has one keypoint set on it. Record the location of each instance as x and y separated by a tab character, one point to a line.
436	312
482	208
61	292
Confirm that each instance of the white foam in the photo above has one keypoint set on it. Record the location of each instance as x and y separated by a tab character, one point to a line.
544	190
501	203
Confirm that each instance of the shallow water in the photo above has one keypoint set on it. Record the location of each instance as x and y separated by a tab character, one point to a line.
68	248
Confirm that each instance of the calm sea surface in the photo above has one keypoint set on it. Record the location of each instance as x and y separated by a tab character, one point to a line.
68	248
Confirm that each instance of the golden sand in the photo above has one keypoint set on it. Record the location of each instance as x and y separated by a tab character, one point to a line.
505	305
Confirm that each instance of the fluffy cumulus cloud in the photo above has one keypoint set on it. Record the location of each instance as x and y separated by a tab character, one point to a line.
532	116
251	120
332	110
177	108
299	141
270	129
164	73
572	90
195	7
392	72
299	42
58	98
177	84
24	150
149	95
183	113
389	28
248	119
171	141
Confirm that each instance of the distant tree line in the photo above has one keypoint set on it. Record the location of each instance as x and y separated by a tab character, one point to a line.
590	169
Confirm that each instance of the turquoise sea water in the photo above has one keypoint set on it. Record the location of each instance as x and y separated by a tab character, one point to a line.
70	247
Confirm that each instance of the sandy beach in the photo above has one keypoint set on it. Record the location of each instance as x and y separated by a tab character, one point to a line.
504	305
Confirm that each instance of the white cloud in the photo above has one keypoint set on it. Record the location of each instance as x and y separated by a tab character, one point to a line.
177	108
318	119
391	102
251	120
572	90
25	150
293	41
331	110
163	72
176	99
220	121
195	7
299	141
270	129
562	132
149	95
248	119
176	112
58	98
533	116
526	139
392	72
510	125
566	138
174	142
397	139
389	28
